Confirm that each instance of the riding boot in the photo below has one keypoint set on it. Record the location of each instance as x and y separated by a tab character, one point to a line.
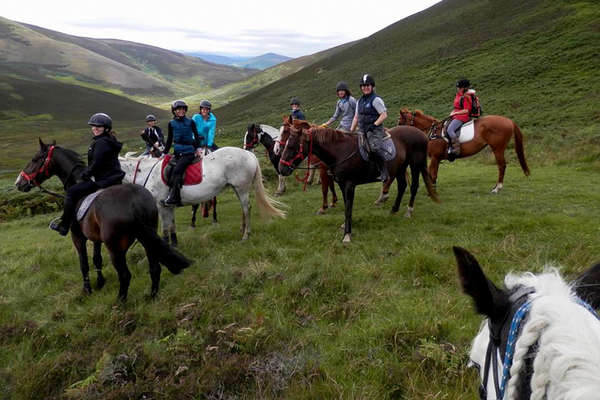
383	173
63	224
174	197
451	155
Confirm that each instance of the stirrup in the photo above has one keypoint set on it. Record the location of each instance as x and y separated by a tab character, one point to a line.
57	225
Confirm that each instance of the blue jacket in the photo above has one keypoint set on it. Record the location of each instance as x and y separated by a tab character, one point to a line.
298	114
183	132
206	129
367	114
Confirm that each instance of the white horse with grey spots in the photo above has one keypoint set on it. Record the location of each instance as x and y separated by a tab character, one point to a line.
227	166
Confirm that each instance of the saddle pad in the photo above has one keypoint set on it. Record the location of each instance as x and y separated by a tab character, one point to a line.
192	175
86	203
387	151
467	132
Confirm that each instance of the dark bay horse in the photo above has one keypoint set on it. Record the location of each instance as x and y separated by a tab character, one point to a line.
339	151
118	216
254	135
492	130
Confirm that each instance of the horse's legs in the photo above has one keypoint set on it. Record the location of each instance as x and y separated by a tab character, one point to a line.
331	183
100	281
167	216
434	165
194	211
117	255
401	179
311	176
154	269
499	154
414	188
324	189
348	200
80	245
214	202
281	186
244	196
385	193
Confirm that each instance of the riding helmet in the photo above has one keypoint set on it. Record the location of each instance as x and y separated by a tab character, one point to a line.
101	119
178	104
205	104
342	86
294	100
463	83
150	117
367	80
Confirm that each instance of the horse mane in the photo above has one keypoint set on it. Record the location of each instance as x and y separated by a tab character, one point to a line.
324	135
568	336
72	155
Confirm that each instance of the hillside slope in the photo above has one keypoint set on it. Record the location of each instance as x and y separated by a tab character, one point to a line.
531	61
132	69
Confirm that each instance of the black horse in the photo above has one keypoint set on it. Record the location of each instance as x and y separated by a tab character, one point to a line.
339	151
118	216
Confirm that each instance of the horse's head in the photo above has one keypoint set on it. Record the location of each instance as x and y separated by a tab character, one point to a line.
284	133
297	137
406	117
252	136
531	312
38	169
417	119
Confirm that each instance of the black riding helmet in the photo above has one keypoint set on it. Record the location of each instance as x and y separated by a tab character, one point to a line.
178	104
101	119
205	104
463	83
342	86
294	100
150	117
367	79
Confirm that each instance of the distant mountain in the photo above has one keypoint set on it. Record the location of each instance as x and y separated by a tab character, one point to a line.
136	70
260	62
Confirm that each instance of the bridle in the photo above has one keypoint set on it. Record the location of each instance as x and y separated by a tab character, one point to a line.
255	140
300	154
43	169
522	304
411	121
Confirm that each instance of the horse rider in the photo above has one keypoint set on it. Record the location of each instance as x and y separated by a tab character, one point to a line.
103	169
153	137
206	123
183	132
345	108
369	116
460	115
296	111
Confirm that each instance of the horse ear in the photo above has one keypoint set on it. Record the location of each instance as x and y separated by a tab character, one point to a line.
42	144
587	286
488	299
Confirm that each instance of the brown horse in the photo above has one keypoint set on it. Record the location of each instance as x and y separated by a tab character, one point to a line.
339	151
255	135
118	216
492	130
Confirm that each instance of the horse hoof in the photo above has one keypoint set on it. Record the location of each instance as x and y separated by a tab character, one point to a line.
408	213
100	283
346	238
320	211
343	226
87	289
333	204
497	188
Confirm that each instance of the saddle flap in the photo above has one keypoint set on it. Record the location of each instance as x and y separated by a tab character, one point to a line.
192	175
85	204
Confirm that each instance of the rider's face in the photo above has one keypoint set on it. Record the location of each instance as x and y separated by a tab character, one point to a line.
151	123
366	89
341	94
97	130
205	111
179	112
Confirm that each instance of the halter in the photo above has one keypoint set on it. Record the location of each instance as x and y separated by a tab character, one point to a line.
515	328
42	170
410	122
255	140
300	154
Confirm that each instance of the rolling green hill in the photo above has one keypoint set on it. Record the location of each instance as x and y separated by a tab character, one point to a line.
143	72
533	61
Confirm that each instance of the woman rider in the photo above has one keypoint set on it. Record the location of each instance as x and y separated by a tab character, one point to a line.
460	115
206	123
344	108
103	166
182	131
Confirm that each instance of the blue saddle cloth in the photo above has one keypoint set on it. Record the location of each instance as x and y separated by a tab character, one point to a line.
86	203
386	149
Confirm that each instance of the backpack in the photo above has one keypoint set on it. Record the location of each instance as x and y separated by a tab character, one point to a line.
475	111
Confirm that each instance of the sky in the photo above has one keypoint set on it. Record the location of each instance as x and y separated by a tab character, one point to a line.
225	27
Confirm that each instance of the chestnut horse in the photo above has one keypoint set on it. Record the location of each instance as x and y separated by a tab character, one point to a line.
255	134
118	216
492	130
339	151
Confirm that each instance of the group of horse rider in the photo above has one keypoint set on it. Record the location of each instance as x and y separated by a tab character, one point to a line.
189	136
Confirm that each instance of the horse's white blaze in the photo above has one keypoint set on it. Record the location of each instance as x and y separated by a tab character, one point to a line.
568	356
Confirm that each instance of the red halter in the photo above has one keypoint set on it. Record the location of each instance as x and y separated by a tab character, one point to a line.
42	170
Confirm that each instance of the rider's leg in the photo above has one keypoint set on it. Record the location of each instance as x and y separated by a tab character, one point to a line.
375	139
453	127
176	181
74	194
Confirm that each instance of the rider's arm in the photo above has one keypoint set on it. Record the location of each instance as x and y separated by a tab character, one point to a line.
196	139
379	106
354	121
210	136
169	139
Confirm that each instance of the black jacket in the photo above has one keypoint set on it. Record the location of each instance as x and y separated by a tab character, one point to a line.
103	161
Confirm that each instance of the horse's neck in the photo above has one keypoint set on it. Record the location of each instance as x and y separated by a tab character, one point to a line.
336	151
426	122
68	170
269	143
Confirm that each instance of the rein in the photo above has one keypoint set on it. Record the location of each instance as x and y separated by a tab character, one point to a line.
149	173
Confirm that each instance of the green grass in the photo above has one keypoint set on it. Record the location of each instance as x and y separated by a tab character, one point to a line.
292	313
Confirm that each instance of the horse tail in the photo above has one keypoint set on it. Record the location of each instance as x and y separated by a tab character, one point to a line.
519	149
265	203
429	183
167	255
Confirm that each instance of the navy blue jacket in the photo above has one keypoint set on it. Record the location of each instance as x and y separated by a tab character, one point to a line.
183	131
298	114
367	114
103	161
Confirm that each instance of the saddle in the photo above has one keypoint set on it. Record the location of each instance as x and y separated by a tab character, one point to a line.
466	133
85	204
192	175
384	148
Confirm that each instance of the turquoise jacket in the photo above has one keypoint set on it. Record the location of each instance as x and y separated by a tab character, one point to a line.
206	129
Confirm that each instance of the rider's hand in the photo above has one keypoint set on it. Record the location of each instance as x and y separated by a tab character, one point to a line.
198	152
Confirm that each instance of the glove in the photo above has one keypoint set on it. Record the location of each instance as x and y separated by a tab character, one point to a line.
372	127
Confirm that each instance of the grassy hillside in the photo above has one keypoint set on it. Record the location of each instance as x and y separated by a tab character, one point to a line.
532	61
140	71
292	313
